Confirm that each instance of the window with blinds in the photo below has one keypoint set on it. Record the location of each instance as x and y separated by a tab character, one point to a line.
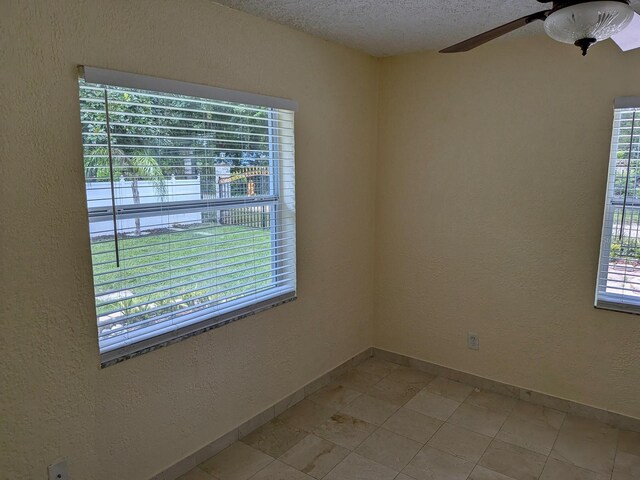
618	285
190	196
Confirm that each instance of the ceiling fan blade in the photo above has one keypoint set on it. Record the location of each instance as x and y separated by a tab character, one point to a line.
495	33
629	38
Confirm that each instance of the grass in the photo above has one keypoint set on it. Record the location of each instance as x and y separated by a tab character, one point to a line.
197	265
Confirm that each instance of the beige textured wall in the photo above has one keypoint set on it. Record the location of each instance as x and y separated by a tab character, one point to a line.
131	420
490	181
491	178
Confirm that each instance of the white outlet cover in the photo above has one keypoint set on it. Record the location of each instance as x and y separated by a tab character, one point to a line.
473	341
59	470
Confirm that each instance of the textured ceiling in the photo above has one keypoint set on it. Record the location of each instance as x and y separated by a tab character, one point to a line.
390	27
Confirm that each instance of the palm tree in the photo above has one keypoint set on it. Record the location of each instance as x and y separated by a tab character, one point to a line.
136	169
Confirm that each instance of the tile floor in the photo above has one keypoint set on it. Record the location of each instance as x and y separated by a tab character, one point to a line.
383	421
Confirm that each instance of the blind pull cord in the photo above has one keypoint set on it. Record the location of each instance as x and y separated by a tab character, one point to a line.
626	187
113	188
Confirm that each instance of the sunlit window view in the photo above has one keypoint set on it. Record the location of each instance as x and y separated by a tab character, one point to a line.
191	209
619	274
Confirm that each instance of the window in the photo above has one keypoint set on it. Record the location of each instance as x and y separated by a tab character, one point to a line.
190	196
618	286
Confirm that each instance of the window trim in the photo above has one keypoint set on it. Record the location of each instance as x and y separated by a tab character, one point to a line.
616	303
144	82
155	338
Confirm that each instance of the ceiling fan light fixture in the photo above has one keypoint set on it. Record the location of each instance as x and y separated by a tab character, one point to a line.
584	24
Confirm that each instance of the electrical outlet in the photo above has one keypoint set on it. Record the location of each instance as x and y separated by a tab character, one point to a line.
59	470
473	341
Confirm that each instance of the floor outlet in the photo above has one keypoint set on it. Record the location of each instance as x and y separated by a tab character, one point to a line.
59	470
473	341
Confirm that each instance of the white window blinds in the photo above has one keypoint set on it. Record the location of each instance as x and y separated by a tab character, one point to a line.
618	285
191	207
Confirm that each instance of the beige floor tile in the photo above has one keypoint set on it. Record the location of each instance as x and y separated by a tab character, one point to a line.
557	470
279	471
432	464
586	443
370	409
375	366
450	389
411	407
397	393
434	406
532	428
629	442
538	413
334	396
237	462
478	419
357	380
623	476
410	376
388	448
460	442
306	415
492	401
314	456
274	437
345	430
626	465
196	474
413	425
513	461
481	473
356	467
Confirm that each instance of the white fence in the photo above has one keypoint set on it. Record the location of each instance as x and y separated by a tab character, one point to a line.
99	195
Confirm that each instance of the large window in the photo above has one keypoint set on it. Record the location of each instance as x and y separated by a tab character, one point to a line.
191	206
618	286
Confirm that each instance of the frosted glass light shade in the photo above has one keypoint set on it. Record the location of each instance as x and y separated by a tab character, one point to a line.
597	20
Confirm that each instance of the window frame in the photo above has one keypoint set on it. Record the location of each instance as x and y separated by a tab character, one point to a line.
156	335
606	300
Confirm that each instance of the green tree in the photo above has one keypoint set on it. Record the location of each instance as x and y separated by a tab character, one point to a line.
161	126
135	170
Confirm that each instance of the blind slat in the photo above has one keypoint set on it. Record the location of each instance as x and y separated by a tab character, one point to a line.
130	276
177	300
212	280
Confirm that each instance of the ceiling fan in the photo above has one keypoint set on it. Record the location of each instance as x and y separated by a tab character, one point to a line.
582	23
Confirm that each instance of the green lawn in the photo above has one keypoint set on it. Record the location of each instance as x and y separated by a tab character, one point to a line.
197	265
